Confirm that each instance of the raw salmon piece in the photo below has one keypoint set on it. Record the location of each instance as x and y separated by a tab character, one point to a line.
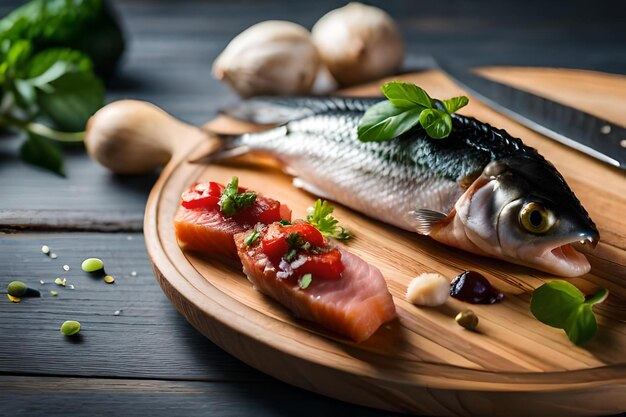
355	305
207	232
200	226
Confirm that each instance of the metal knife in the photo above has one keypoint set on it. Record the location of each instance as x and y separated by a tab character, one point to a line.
592	135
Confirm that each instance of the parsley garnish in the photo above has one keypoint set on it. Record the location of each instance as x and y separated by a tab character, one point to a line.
231	202
560	304
252	238
408	105
305	280
284	222
320	217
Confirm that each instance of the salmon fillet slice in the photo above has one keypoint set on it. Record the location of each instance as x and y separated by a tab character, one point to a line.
206	231
355	305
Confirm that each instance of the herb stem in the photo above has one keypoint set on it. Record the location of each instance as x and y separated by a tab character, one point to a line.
42	130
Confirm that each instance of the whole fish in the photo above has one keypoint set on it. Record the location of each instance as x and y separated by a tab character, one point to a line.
479	189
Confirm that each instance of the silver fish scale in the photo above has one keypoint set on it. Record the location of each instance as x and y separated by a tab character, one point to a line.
383	180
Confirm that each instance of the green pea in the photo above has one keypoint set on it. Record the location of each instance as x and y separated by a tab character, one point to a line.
17	288
92	265
70	328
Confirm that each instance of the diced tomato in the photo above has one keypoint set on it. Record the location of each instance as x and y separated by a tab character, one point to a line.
263	210
203	195
322	266
274	244
307	232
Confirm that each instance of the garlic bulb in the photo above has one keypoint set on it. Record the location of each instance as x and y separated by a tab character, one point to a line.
359	43
272	57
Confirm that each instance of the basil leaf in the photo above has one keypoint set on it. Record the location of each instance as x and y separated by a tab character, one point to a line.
436	123
39	151
18	53
455	103
71	59
581	324
72	99
384	121
553	302
406	95
559	304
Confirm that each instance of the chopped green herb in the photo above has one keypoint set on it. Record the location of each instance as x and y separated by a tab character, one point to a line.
407	106
560	304
252	238
320	216
284	222
231	202
92	265
70	328
60	281
17	288
290	256
295	240
305	280
54	293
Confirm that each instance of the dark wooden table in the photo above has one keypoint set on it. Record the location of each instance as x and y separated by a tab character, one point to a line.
136	356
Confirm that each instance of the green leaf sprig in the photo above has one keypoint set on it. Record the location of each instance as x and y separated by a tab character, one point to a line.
408	105
560	304
57	85
320	216
231	201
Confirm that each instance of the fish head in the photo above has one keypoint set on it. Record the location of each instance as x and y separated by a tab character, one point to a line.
521	209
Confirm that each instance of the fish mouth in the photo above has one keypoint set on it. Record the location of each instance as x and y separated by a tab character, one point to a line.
565	260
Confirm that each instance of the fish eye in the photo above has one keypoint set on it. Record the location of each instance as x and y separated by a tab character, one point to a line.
535	218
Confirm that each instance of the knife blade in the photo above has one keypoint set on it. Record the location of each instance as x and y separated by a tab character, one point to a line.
575	128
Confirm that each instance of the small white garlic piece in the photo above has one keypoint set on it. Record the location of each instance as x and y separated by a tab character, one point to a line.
269	58
428	289
359	43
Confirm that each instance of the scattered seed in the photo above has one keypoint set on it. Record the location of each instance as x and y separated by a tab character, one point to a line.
70	328
92	265
17	288
66	268
53	255
41	281
60	281
109	279
467	319
133	273
45	249
117	312
606	129
55	293
14	299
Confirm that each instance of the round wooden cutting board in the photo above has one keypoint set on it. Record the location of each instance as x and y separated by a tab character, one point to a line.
423	362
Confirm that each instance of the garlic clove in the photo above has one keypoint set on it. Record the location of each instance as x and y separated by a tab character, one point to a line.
428	289
272	57
359	43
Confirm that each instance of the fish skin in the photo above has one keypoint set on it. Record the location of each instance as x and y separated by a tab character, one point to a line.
390	180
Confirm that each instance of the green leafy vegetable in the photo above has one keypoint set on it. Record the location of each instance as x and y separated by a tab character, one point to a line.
320	216
87	26
407	106
560	304
231	201
50	52
305	280
284	222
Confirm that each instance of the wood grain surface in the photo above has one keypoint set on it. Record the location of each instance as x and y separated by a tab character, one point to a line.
423	362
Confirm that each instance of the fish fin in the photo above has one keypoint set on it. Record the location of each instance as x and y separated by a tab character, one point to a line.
300	183
275	110
425	220
228	146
